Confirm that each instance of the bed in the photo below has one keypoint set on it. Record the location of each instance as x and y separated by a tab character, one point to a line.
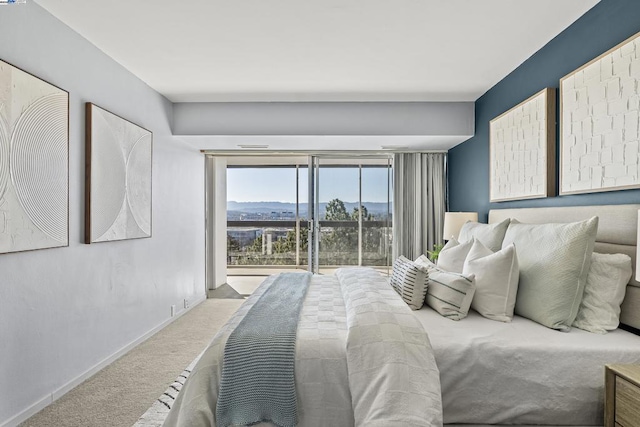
617	233
524	373
361	358
474	371
521	372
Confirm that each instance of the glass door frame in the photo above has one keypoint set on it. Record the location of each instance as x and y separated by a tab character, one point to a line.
314	202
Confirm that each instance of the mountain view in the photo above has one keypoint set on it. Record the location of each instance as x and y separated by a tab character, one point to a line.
247	211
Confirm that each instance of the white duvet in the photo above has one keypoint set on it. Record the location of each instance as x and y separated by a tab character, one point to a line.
522	372
362	359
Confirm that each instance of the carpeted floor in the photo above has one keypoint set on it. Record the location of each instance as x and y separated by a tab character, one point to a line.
119	394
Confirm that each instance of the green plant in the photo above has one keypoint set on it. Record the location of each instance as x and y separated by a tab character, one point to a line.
433	255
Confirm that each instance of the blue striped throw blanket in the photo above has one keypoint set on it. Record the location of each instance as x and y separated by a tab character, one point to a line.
257	381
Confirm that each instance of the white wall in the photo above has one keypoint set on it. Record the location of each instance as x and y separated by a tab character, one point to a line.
65	311
220	188
217	220
324	118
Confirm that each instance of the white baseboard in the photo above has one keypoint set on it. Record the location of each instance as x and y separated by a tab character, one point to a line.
61	391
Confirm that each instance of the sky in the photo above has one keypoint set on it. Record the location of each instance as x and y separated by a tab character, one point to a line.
278	184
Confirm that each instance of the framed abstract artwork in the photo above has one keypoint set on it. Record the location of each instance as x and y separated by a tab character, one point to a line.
522	150
34	162
118	178
599	117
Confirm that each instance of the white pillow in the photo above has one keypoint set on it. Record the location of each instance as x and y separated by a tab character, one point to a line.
496	280
491	235
448	293
409	279
554	261
606	286
452	256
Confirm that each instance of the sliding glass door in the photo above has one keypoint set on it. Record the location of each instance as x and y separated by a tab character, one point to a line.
316	214
266	215
350	222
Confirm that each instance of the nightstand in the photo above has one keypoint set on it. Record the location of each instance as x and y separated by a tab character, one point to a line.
622	395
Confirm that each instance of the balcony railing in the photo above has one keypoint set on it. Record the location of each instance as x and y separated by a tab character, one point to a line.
285	243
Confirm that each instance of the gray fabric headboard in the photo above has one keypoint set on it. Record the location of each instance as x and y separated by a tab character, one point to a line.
617	233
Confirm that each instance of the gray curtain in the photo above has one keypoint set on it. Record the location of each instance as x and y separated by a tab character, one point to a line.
419	197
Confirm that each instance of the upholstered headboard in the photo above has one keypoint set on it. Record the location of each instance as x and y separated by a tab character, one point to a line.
617	233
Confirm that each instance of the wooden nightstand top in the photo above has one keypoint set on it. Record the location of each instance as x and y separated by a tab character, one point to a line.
622	396
630	373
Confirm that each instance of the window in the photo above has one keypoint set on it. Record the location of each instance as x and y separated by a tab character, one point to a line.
268	218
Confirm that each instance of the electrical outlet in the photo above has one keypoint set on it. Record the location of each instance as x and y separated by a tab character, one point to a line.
173	310
186	303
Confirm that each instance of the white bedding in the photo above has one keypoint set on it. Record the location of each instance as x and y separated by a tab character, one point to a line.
349	358
521	372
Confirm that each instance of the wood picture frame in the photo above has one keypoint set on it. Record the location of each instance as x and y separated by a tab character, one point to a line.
34	162
118	181
599	122
522	150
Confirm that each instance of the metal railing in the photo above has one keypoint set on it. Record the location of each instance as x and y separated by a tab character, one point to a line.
284	243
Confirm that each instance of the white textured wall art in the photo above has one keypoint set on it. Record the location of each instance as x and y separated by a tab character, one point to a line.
599	115
118	188
523	149
34	162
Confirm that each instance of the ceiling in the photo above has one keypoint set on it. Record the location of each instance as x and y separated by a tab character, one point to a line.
319	50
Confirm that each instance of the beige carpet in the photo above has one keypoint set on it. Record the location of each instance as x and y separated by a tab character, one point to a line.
119	394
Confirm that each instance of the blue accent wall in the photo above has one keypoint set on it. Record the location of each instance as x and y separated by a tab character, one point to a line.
607	24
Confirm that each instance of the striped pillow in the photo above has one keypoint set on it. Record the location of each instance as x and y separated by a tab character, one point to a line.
410	281
448	293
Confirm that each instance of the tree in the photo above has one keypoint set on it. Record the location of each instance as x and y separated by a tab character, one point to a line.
336	211
283	249
256	245
288	243
338	244
232	244
366	216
